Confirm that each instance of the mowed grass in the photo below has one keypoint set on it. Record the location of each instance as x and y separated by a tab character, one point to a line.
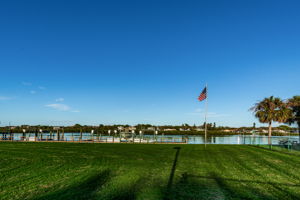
145	171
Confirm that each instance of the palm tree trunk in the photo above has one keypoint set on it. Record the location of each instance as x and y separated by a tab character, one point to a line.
270	132
299	129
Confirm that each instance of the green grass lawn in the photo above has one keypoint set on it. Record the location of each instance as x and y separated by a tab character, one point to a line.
146	171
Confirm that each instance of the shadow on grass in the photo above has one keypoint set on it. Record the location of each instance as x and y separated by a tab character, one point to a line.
173	168
172	173
187	188
90	189
216	187
84	190
127	193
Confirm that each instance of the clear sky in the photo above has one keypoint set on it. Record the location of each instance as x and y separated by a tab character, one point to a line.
92	62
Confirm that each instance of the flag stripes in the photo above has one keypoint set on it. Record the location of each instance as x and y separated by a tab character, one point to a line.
203	95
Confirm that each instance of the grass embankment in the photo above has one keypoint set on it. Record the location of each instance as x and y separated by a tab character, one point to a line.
141	171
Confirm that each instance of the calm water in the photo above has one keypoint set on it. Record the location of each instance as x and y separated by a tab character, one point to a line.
232	139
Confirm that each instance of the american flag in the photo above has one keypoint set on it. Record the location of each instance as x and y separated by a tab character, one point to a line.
203	95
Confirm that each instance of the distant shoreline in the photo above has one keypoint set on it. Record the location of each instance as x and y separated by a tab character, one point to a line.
166	133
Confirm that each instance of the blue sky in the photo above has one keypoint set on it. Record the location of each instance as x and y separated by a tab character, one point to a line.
92	62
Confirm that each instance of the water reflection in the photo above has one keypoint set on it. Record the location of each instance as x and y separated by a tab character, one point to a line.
241	139
88	137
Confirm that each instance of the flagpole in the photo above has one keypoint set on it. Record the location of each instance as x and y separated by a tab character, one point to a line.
205	128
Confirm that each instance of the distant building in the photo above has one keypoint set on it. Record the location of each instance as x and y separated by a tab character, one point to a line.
227	130
254	132
120	128
129	129
56	127
183	129
281	131
170	129
151	128
294	131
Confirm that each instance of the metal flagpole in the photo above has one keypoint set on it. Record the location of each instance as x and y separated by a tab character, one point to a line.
205	128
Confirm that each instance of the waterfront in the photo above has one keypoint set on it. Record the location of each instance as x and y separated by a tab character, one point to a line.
88	137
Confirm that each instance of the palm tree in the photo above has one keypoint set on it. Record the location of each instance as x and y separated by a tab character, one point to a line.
294	105
270	110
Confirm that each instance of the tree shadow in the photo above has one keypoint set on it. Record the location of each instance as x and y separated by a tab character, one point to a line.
90	189
190	187
85	190
126	193
214	186
187	188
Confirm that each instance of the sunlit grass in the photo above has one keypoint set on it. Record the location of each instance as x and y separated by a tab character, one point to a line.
146	171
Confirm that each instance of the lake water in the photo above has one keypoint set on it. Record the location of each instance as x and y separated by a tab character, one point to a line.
87	137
